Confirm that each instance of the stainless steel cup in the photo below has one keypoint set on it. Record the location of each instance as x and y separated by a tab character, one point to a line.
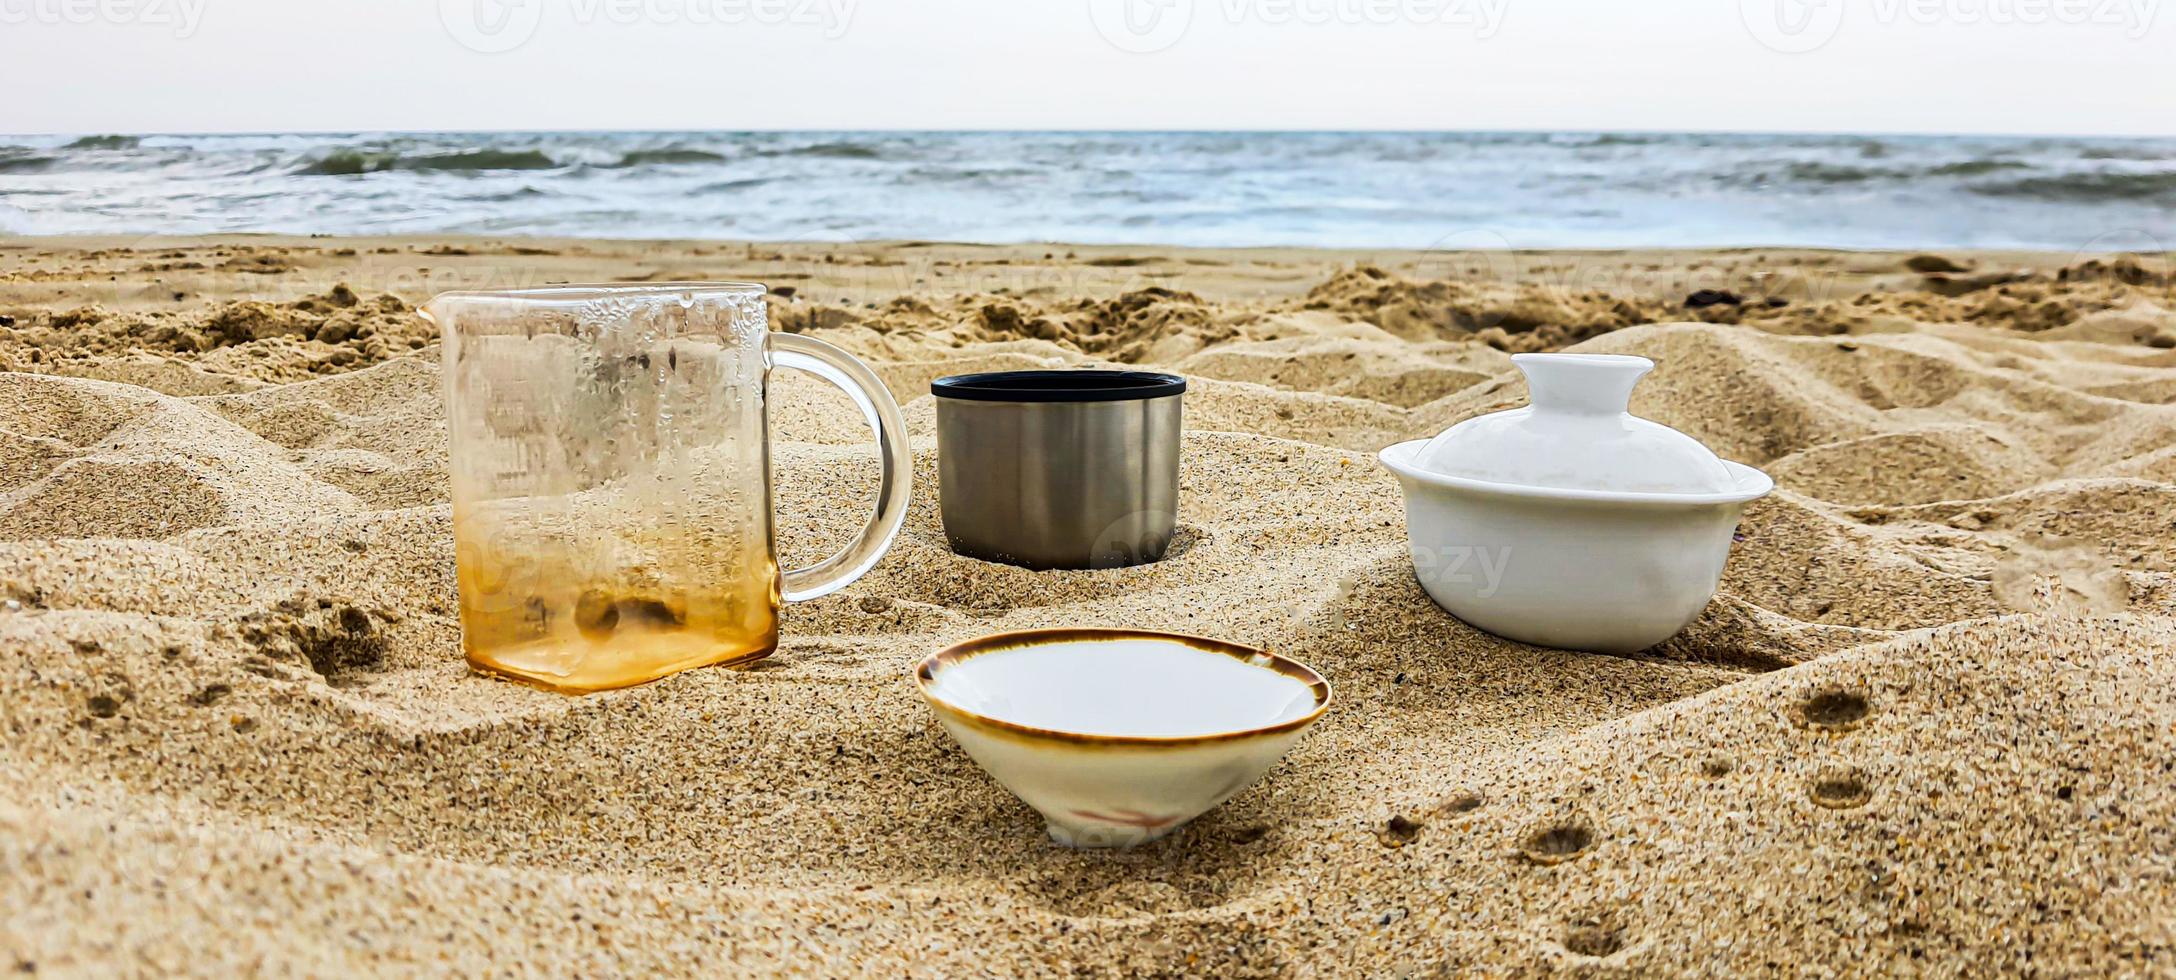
1059	469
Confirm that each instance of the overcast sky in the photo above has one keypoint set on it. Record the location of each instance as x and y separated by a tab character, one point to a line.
2002	66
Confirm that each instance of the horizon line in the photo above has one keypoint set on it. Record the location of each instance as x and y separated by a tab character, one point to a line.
1387	131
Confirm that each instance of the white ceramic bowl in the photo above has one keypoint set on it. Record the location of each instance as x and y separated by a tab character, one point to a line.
1118	737
1608	571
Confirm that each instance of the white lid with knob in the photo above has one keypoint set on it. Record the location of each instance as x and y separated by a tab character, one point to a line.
1577	434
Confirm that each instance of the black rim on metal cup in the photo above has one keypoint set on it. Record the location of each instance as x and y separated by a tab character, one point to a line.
1058	386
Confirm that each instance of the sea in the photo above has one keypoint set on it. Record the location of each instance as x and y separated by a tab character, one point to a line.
1330	189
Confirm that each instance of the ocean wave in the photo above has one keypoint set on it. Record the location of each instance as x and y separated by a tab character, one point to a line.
23	162
833	150
734	185
667	157
1822	172
109	142
523	193
2098	187
348	163
966	175
1815	172
2122	153
482	160
1976	168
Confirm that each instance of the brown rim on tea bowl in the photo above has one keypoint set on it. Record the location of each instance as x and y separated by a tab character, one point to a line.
1205	728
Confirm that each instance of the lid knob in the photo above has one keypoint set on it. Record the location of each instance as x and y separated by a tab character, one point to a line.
1584	384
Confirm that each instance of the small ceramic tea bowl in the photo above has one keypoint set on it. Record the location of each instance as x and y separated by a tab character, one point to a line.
1118	737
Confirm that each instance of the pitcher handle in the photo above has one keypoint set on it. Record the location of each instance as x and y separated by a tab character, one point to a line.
896	464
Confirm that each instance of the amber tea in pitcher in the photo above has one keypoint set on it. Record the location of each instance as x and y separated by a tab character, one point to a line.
611	478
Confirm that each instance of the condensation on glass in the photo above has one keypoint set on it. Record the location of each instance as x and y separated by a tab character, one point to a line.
611	478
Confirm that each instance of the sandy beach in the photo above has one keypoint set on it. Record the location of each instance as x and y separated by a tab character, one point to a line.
1927	726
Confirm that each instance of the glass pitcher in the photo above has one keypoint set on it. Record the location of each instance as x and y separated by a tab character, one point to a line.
612	481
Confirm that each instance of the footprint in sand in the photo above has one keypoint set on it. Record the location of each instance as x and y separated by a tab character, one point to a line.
1558	843
1593	936
1841	789
1833	711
